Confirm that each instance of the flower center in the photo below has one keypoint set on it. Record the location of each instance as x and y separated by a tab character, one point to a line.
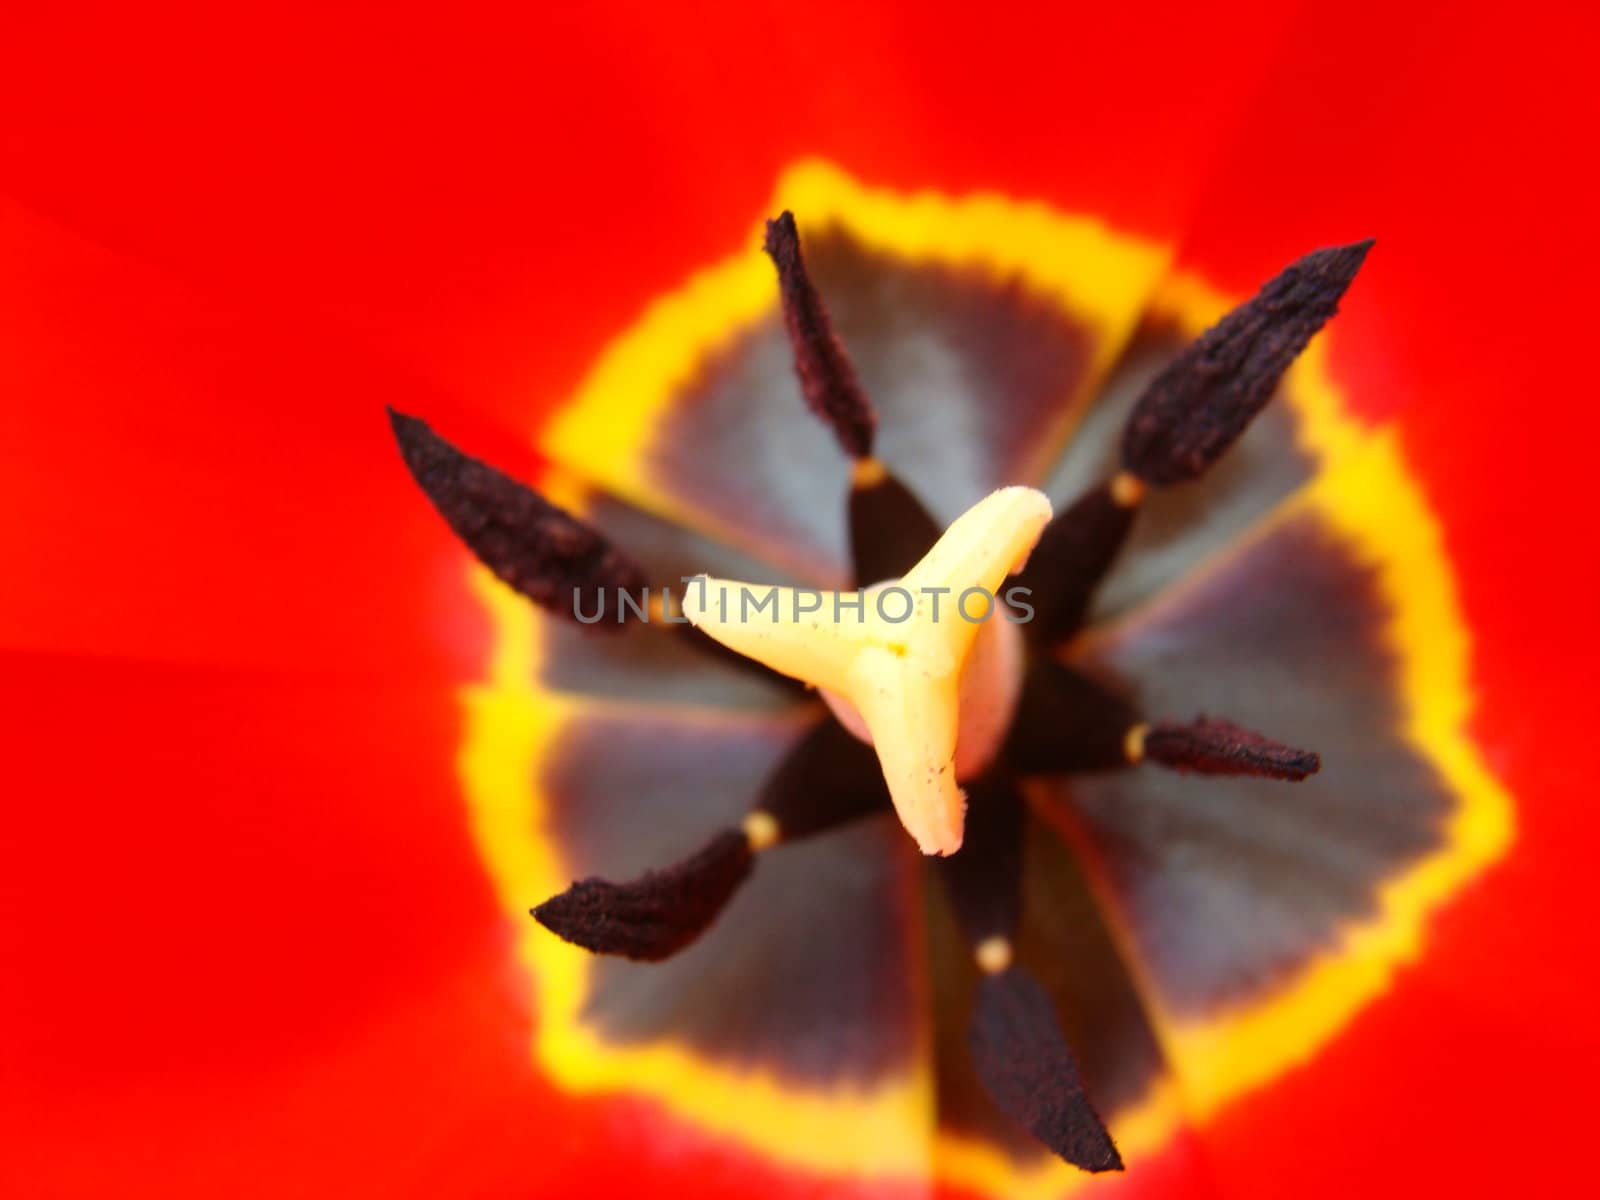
901	653
986	697
928	668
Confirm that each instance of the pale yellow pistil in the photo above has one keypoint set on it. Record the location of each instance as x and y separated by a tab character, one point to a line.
902	677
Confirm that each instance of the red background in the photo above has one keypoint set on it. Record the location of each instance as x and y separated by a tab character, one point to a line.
248	949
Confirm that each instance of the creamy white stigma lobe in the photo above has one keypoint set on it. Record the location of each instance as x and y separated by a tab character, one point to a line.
929	685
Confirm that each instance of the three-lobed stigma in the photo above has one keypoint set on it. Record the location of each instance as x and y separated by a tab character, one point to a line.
900	670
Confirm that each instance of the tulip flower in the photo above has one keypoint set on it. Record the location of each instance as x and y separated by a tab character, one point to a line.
290	764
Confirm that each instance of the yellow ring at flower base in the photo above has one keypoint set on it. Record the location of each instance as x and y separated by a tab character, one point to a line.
889	1132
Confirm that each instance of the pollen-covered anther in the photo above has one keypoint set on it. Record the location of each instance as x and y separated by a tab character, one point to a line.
658	914
823	782
1204	399
1025	1064
1184	420
898	655
827	378
547	554
1206	746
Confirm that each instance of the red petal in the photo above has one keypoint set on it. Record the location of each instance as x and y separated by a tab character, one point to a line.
484	201
1452	139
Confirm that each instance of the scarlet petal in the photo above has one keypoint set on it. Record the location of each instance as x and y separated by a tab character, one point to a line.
1449	131
186	479
376	190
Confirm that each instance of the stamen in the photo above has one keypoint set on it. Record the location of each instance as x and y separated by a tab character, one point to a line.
1186	418
1209	747
1016	1044
1074	554
1026	1067
1067	723
827	780
1202	401
660	913
543	552
901	675
827	379
984	880
889	528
